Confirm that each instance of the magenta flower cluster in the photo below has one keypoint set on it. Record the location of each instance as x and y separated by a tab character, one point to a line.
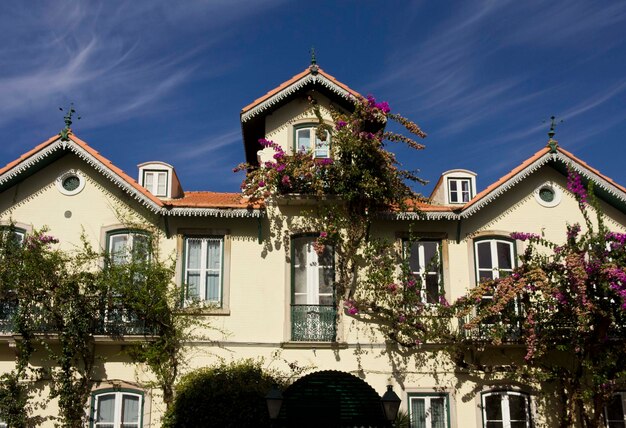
573	231
351	306
35	241
523	236
575	185
382	106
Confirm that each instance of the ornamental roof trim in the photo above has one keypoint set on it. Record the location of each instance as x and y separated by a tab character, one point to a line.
531	165
312	75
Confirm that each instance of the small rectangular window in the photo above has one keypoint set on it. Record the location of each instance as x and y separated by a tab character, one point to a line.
615	411
506	409
306	140
429	410
156	182
459	190
203	274
115	409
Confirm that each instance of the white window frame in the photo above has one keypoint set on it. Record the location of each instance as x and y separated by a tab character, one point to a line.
130	244
504	406
459	193
622	396
495	266
204	269
427	397
117	413
314	142
312	293
422	273
153	186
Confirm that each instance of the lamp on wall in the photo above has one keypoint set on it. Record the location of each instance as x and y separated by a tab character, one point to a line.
274	400
391	404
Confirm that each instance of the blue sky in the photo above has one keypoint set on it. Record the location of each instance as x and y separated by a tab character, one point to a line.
164	80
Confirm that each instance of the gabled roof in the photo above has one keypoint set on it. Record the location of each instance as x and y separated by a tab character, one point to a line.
224	205
312	74
37	157
603	184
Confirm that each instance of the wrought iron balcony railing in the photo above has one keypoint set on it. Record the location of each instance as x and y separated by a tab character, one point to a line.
313	323
111	320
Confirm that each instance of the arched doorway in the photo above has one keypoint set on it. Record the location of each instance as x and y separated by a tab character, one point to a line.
331	399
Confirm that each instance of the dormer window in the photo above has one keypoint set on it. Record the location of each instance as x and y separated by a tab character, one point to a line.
160	179
155	182
456	186
306	140
459	190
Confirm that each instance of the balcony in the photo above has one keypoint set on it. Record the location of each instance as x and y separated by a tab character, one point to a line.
112	320
313	323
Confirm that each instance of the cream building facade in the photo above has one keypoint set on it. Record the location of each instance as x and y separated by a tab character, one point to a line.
271	298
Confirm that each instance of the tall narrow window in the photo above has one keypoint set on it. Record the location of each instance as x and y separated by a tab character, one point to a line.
203	268
313	302
429	410
425	264
156	182
459	190
116	409
495	258
306	140
615	411
506	409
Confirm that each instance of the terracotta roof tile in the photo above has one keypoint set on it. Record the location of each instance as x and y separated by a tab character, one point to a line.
293	80
507	177
214	200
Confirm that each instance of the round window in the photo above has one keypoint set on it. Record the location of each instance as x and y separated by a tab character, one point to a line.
548	195
70	183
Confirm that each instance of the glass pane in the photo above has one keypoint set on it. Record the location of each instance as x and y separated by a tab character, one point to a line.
493	407
485	275
300	279
193	285
453	192
141	247
617	424
432	288
303	140
326	258
495	425
106	408
214	256
504	255
414	262
484	255
300	299
519	424
326	280
614	411
431	258
465	185
118	246
321	147
194	247
149	180
326	300
130	409
162	184
517	407
437	412
418	413
213	286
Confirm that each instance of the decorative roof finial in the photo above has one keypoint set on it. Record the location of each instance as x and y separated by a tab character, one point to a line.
313	67
552	143
68	122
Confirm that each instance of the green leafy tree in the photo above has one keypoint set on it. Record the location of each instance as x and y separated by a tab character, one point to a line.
224	395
